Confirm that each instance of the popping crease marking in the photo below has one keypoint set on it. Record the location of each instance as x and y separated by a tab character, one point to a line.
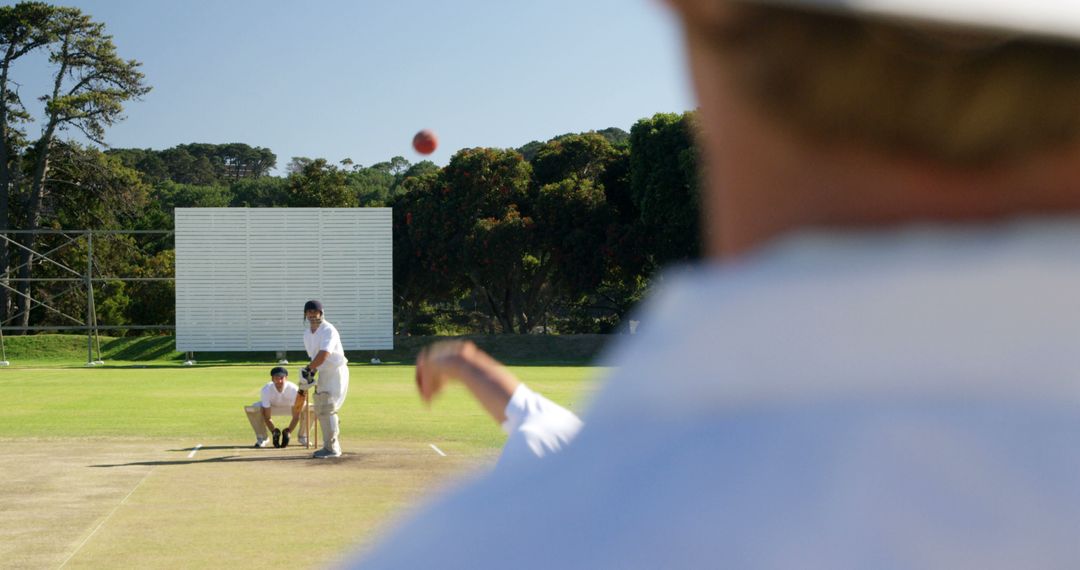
195	449
437	450
104	520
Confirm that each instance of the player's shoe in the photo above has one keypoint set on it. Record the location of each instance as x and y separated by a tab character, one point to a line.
302	440
325	453
260	442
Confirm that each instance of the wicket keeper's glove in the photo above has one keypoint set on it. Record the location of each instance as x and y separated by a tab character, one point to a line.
277	437
285	437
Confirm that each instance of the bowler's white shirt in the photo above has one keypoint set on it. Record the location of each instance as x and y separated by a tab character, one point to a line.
905	399
326	338
536	427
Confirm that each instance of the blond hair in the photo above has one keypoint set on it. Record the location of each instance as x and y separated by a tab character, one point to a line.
940	93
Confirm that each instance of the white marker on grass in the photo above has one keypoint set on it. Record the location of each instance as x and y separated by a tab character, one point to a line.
193	450
437	450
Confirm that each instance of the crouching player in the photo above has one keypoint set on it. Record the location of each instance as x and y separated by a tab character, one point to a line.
278	396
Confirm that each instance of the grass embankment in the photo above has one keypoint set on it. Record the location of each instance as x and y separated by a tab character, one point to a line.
71	350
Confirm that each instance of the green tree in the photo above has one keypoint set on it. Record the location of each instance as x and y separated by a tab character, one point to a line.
573	221
528	150
591	227
152	302
88	189
664	185
232	161
583	156
148	162
170	195
319	184
424	273
24	28
267	191
372	186
186	168
418	170
90	84
92	190
377	184
486	201
629	265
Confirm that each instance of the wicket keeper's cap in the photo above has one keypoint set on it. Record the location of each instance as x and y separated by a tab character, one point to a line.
313	305
279	371
1047	18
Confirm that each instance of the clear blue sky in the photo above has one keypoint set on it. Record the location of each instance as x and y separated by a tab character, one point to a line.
356	79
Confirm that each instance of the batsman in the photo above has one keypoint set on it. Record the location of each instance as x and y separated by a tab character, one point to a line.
323	345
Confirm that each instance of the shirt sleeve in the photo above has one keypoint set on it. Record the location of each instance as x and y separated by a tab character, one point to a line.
264	397
536	426
325	340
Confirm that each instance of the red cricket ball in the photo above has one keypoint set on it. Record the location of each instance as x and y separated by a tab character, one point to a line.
425	142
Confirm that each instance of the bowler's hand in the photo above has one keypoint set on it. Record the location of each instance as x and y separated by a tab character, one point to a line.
439	363
491	383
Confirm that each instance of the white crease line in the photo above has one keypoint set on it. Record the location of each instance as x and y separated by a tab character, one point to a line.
103	521
437	450
192	454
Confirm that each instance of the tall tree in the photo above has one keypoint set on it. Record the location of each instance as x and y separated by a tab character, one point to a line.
90	85
423	270
24	28
589	225
664	185
89	189
486	202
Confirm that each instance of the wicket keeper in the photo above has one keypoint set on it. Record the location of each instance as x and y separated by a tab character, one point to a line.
281	396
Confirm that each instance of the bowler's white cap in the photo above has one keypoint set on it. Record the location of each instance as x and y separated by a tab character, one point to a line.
1048	18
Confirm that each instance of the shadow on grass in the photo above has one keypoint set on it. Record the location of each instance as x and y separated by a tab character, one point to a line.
212	447
140	348
224	459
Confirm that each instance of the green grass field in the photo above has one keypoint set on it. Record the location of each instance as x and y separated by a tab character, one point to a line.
101	467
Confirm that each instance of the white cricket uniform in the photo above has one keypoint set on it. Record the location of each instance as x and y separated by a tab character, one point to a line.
333	374
280	404
333	380
269	397
536	427
892	399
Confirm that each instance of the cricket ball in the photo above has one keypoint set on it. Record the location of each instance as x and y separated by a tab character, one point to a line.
425	142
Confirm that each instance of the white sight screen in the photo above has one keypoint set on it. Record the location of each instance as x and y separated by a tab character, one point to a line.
243	275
